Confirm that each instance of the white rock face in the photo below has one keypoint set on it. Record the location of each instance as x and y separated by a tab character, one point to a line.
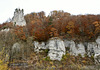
57	49
39	46
18	18
98	40
97	58
73	49
57	46
97	51
5	30
90	48
16	48
67	43
81	49
77	49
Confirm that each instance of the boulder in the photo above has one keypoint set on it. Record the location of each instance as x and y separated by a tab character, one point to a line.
16	48
17	51
57	48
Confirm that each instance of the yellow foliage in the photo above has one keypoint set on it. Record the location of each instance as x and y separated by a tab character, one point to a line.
53	66
70	27
38	64
79	66
84	61
3	66
68	54
51	62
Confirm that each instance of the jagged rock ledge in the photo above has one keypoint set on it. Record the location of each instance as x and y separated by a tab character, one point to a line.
57	48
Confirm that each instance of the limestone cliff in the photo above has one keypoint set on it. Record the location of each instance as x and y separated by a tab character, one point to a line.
57	49
18	18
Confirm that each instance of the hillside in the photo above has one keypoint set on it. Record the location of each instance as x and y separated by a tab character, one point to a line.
59	24
57	41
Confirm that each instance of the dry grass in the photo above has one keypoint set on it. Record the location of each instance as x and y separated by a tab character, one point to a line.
40	61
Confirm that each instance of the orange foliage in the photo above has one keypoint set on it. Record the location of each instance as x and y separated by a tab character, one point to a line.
19	31
60	23
97	27
41	34
53	32
70	28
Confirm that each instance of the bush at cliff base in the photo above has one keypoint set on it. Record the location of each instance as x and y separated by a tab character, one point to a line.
3	65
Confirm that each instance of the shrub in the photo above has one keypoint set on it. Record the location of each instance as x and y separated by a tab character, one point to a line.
3	65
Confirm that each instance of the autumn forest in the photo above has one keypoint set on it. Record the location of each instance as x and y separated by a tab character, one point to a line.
16	45
57	24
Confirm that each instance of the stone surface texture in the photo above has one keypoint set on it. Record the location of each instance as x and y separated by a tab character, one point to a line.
57	49
38	46
18	18
76	49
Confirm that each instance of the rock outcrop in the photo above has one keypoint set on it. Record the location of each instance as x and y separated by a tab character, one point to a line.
90	49
55	45
76	49
56	49
5	30
18	18
16	48
17	51
38	46
67	43
97	51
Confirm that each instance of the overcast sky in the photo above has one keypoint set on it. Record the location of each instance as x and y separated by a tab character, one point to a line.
75	7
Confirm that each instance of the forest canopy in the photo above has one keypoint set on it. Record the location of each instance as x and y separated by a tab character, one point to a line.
57	24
